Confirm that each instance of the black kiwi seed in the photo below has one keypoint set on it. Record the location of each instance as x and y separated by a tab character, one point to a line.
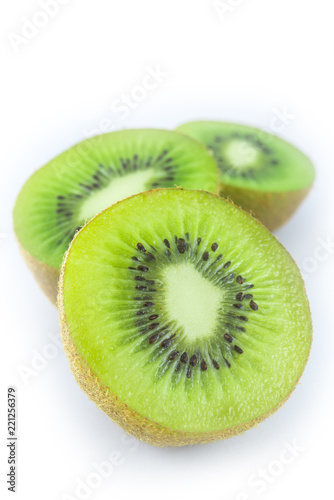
188	372
184	357
239	296
226	265
177	367
199	241
253	305
215	364
243	318
193	360
228	337
154	316
240	328
139	278
140	313
227	363
141	288
153	325
166	343
206	256
248	296
204	366
249	286
219	258
143	268
150	256
181	245
152	339
214	247
240	280
173	355
141	247
135	258
238	306
238	349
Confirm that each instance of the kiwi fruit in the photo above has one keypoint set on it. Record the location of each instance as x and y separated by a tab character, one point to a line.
259	171
64	194
182	317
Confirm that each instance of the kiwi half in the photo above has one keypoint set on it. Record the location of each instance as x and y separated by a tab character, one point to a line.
259	171
182	317
60	197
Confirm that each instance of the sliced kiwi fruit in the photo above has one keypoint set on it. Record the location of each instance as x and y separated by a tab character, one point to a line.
182	317
60	197
259	171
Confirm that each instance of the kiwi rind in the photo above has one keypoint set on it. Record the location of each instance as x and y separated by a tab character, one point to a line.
46	276
272	208
131	421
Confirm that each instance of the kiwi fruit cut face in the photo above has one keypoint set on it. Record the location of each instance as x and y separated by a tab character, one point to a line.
259	171
60	197
182	317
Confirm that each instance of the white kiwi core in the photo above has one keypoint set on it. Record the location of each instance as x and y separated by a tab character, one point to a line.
119	188
193	303
241	154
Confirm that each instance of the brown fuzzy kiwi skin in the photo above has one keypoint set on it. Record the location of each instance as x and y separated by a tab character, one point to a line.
271	208
128	419
46	276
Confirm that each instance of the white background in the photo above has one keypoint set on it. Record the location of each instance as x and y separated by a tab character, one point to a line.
260	57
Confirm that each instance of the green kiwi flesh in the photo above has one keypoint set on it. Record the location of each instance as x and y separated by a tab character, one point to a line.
64	194
259	171
183	317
